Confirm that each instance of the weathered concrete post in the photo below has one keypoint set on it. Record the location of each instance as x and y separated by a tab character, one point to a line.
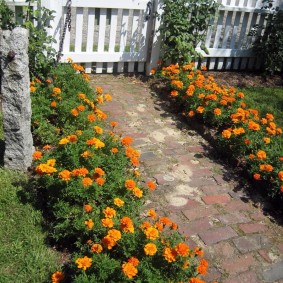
16	103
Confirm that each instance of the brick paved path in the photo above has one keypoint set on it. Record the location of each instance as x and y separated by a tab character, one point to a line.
242	242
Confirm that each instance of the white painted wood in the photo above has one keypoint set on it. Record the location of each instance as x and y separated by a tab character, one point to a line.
113	29
228	29
236	63
88	68
90	29
120	68
135	31
235	30
228	63
218	29
99	68
140	67
212	64
243	31
110	67
67	40
124	30
124	4
220	52
131	67
102	28
220	64
79	30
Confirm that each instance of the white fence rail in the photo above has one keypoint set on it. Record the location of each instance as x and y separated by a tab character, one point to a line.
115	36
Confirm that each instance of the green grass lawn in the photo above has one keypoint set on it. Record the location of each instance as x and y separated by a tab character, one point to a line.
266	100
24	255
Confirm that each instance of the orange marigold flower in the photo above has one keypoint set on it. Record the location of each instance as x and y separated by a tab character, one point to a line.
99	171
136	173
96	248
253	126
75	112
281	158
47	147
109	212
87	182
191	113
64	141
91	117
99	90
196	280
151	213
43	168
86	154
145	225
137	192
127	141
269	117
72	138
118	202
37	155
170	254
238	131
89	223
130	184
280	175
217	111
150	249
108	97
200	109
266	140
226	134
256	176
174	93
81	96
81	108
182	249
84	263
65	175
165	221
127	225
251	156
159	226
57	277
174	226
152	71
198	251
57	90
281	188
151	185
79	132
247	141
107	222
108	242
266	167
32	89
82	172
114	150
151	233
202	268
114	124
129	270
135	161
134	261
53	104
115	234
99	100
87	208
100	181
261	155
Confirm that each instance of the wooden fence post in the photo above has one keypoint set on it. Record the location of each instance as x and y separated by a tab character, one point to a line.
154	48
57	23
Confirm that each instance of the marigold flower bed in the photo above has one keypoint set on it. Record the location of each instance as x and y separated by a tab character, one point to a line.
87	179
255	141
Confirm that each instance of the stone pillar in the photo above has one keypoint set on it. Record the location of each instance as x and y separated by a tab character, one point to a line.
16	103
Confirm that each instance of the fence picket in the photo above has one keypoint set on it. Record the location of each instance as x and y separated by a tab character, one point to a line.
90	30
102	29
113	29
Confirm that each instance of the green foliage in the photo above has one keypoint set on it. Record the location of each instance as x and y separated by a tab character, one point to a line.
40	51
183	26
6	16
269	46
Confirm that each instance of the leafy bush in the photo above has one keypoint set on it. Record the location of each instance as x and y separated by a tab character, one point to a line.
40	51
184	25
87	180
269	45
256	142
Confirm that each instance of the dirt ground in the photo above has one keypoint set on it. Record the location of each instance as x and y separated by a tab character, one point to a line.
246	79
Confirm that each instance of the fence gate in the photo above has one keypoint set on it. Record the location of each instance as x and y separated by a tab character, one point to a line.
107	36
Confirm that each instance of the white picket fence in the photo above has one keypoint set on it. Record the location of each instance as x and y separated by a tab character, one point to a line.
116	36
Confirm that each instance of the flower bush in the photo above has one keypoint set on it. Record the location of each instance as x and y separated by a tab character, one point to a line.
256	142
87	180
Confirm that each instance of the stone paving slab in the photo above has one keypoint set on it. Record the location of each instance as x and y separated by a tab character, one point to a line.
241	239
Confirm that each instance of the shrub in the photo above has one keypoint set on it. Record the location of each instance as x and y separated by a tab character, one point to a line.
184	25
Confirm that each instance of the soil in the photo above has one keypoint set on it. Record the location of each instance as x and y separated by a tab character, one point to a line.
246	79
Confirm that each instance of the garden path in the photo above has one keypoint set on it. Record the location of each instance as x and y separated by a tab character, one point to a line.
241	235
